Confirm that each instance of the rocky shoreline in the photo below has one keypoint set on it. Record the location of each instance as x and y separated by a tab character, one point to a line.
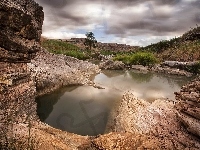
159	68
52	71
27	71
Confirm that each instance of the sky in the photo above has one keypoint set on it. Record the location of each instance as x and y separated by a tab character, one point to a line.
132	22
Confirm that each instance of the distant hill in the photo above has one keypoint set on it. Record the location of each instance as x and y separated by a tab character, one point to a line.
184	48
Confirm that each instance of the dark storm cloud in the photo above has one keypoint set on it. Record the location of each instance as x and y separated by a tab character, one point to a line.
123	17
161	18
168	2
55	3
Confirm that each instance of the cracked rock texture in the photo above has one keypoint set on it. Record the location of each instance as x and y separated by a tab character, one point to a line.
54	71
137	124
142	125
188	106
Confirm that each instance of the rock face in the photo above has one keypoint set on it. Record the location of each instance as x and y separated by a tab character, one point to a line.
113	65
142	125
188	106
21	26
20	30
17	46
54	71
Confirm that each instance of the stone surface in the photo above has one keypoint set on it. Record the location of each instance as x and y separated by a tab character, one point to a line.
169	70
113	65
188	106
142	125
54	71
17	46
20	30
136	125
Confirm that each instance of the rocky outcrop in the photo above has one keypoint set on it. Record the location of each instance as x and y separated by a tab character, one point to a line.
19	43
17	46
20	30
139	124
188	106
170	70
113	47
54	71
142	125
113	65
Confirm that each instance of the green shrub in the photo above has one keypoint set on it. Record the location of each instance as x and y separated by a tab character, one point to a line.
139	58
194	68
143	58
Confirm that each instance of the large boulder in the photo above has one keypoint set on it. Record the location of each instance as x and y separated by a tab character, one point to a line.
113	65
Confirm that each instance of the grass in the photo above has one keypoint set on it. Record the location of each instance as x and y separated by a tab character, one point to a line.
60	47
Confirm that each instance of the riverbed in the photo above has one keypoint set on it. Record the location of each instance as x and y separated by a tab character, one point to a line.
85	110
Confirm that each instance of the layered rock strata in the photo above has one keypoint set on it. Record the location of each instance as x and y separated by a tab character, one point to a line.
188	106
21	26
17	46
136	125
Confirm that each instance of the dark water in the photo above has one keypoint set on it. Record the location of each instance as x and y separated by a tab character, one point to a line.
84	110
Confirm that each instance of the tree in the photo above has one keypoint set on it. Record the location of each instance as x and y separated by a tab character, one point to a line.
90	40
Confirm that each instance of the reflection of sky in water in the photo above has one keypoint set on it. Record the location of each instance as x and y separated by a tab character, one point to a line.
148	86
84	110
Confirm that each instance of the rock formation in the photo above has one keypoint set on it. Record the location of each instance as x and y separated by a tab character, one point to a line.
136	125
113	65
114	47
139	124
17	46
54	71
21	28
188	106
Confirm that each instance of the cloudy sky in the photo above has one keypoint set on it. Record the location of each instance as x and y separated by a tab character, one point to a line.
134	22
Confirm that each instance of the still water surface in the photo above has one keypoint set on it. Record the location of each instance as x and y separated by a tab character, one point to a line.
84	109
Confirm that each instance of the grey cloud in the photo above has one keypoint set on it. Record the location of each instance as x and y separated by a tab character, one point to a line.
55	3
168	2
153	21
159	23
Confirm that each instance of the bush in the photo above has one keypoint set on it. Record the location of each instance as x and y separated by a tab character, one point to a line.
143	58
139	58
194	68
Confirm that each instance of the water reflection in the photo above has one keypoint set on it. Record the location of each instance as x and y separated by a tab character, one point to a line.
84	110
46	102
148	86
141	77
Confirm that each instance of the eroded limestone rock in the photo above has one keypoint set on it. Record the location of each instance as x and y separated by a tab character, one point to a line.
188	106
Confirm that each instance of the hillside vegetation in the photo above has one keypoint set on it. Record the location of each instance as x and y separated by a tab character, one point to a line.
60	47
184	48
